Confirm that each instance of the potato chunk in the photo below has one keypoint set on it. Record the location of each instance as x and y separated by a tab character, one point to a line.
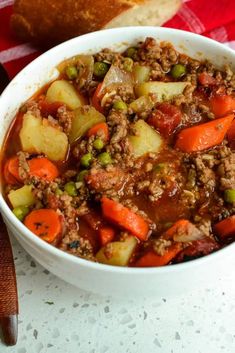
164	90
21	197
117	253
84	118
141	104
141	73
63	91
37	136
146	139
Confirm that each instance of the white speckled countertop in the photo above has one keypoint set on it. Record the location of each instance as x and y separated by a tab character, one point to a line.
56	317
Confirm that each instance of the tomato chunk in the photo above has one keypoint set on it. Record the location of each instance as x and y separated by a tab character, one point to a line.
226	228
49	108
206	79
165	119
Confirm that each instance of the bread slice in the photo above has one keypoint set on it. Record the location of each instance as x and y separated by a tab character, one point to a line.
146	13
48	22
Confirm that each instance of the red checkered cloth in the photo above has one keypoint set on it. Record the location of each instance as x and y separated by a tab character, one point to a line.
214	19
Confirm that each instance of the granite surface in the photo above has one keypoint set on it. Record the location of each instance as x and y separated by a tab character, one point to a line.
56	317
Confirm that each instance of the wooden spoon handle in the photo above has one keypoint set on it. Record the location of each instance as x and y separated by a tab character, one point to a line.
9	326
8	289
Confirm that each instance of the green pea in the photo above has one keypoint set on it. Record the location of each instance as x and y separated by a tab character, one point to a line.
81	175
178	71
104	158
71	72
20	212
98	144
100	69
119	105
229	195
86	160
128	64
131	52
70	188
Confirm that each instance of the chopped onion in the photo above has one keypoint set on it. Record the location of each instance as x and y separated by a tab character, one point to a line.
116	77
191	234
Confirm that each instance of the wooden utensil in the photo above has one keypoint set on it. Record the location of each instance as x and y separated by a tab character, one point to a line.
8	287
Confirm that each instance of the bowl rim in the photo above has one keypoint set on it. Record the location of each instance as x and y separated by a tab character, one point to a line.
31	237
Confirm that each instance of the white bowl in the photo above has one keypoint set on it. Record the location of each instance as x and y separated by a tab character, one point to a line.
103	279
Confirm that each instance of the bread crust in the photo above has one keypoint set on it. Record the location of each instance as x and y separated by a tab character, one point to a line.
48	22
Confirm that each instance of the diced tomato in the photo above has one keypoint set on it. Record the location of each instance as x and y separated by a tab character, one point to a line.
166	118
206	79
226	229
94	220
97	223
49	108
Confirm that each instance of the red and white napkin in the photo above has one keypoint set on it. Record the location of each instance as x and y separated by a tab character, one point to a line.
214	19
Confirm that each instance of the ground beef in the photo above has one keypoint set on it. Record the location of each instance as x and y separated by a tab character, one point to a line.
156	73
186	97
23	165
200	171
226	170
118	123
161	245
108	56
33	108
149	51
206	176
65	117
79	246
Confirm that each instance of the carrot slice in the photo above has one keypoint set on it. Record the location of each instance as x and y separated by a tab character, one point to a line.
125	218
13	168
222	104
95	100
9	178
102	127
226	228
204	136
43	168
45	223
151	259
106	235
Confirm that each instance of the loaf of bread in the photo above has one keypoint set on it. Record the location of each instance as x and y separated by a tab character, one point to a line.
49	22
